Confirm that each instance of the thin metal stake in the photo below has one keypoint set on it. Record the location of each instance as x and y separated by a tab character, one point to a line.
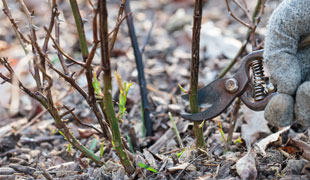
139	63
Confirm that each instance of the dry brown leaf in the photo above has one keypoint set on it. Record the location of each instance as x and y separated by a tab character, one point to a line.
290	149
302	146
262	145
86	133
246	166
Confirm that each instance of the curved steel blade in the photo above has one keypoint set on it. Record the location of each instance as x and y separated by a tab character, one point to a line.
206	95
215	97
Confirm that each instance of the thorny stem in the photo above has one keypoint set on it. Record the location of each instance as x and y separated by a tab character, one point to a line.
107	90
47	103
80	121
250	36
234	16
57	34
193	98
80	28
89	76
83	44
50	27
44	95
18	33
33	39
58	48
119	18
104	126
94	26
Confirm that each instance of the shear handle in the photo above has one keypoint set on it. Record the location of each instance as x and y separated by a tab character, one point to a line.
216	95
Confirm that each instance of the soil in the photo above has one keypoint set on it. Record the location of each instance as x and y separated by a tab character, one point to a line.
32	148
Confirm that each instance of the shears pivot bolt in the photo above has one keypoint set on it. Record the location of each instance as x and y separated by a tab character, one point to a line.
271	88
231	85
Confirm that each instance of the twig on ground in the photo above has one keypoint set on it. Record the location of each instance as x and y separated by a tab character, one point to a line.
45	173
191	162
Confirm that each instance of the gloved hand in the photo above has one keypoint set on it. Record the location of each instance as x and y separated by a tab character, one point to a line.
289	65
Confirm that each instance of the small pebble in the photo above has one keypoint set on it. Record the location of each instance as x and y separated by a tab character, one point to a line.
6	171
294	167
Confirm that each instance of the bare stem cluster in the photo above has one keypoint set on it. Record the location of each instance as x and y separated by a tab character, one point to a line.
103	108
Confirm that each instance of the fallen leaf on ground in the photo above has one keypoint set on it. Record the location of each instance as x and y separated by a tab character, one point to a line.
246	166
255	124
302	146
262	145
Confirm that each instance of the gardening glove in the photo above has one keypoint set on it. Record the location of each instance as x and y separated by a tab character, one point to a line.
289	65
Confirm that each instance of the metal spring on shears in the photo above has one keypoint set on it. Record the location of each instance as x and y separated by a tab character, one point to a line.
259	80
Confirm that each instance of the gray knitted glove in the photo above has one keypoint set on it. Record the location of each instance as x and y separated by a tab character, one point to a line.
289	66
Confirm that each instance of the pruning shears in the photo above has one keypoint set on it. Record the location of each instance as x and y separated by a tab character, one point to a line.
220	93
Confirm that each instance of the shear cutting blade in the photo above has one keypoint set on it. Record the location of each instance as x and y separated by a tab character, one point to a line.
215	97
206	95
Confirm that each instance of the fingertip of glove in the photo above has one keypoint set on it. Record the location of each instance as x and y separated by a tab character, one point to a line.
280	110
302	105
